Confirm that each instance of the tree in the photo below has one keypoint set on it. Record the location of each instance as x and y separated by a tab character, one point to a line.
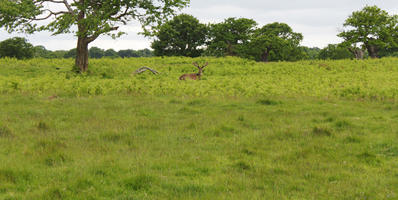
335	52
277	39
16	47
88	19
96	52
145	53
312	53
71	53
42	52
111	53
127	53
229	38
372	27
59	53
181	36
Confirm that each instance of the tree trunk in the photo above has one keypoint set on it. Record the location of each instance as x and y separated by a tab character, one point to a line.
82	55
372	50
81	62
358	53
265	56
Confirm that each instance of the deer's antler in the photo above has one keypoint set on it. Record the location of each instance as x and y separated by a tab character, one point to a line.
196	64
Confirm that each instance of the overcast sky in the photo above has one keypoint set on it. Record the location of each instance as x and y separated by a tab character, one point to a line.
318	20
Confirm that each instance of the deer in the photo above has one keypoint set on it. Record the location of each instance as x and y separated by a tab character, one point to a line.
194	76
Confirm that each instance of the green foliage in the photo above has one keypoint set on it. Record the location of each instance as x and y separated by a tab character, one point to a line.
42	52
71	53
99	16
181	36
229	37
92	18
274	41
335	52
372	27
16	47
111	53
231	76
312	53
128	53
95	52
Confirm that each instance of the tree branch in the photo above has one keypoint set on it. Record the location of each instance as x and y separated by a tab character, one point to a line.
98	33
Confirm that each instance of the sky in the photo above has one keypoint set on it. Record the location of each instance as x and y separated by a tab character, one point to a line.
318	20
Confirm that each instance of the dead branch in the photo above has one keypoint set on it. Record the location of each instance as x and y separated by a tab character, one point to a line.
143	69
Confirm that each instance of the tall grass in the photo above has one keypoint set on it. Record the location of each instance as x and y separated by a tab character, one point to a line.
351	79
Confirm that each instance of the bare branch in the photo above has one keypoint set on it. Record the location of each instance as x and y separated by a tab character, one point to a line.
143	69
67	5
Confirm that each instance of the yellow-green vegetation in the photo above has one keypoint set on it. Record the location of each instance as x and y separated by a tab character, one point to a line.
304	130
355	79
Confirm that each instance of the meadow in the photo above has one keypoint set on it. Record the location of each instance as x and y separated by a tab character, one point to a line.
247	130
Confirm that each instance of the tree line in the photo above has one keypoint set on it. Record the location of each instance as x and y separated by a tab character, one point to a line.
369	32
20	48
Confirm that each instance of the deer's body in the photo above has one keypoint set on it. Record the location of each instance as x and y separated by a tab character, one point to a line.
194	76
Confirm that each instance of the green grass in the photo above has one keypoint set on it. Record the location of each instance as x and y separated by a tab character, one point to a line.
152	147
304	130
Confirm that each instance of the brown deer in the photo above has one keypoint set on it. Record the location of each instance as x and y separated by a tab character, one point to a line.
194	76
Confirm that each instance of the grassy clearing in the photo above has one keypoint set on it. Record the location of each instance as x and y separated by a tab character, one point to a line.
152	147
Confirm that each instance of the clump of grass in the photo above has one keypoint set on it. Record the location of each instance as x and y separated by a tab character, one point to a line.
54	193
222	131
7	176
112	137
352	139
268	102
188	110
369	158
175	101
5	131
343	124
248	152
55	159
197	102
242	165
322	131
13	176
329	119
387	149
140	182
42	126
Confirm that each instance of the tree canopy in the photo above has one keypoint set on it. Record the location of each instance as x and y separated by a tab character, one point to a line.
229	37
16	48
335	52
274	38
372	27
88	19
181	36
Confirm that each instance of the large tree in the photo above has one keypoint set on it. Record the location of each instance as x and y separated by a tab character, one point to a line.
277	39
229	37
371	27
181	36
16	48
88	19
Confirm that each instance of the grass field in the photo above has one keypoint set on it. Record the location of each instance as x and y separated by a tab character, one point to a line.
217	138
